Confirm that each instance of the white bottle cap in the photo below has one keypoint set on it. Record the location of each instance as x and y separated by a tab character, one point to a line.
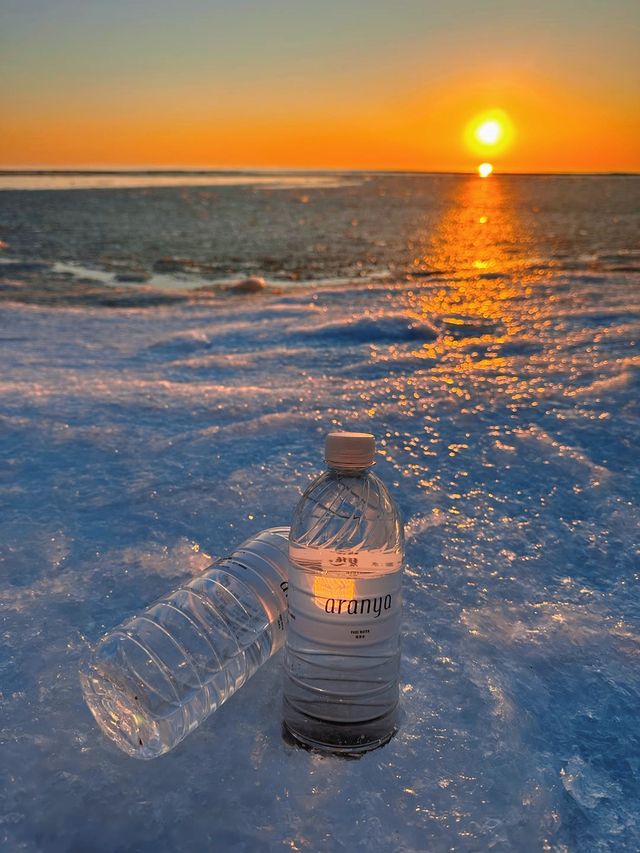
349	449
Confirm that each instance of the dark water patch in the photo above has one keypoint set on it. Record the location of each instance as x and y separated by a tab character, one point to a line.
520	346
460	326
491	276
588	278
428	273
623	256
132	277
18	267
81	293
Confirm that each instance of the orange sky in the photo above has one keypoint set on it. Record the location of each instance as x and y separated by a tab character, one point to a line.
336	85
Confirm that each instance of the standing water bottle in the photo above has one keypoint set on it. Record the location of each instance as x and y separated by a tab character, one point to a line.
346	551
152	680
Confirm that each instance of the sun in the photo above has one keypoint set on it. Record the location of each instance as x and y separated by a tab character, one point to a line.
490	132
485	169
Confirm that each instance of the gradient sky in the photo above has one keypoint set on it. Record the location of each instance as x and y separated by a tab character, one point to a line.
318	83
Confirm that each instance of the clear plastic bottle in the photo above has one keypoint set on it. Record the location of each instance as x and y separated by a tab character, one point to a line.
152	680
346	550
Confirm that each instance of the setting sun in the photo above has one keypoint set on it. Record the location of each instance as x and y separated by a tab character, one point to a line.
485	169
489	132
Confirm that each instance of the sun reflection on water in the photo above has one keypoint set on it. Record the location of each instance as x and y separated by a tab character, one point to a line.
476	246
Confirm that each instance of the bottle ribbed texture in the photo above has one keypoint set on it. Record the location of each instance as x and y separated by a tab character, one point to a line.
156	677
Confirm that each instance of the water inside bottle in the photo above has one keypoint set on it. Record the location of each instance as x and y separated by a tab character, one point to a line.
343	648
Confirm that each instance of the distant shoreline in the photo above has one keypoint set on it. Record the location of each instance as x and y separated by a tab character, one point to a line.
67	180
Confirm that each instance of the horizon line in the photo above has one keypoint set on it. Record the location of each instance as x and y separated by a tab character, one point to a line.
269	170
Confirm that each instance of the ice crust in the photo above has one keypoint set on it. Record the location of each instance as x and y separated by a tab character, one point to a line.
136	442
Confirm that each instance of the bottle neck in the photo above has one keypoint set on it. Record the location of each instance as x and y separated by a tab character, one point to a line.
348	472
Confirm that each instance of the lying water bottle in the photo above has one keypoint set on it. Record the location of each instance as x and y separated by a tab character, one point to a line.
346	550
152	680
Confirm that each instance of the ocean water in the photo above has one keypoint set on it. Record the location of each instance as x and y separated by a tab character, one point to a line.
151	416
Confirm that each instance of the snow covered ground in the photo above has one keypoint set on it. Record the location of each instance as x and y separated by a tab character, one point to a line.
136	441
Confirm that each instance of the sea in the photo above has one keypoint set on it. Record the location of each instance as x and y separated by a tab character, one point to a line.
174	346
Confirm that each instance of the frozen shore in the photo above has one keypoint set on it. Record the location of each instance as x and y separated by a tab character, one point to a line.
488	332
137	441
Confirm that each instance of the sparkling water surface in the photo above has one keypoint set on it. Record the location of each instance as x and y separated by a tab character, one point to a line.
487	333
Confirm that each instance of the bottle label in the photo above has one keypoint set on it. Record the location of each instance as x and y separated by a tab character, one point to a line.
335	610
349	563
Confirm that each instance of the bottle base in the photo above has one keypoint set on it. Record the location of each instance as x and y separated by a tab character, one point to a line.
121	717
350	740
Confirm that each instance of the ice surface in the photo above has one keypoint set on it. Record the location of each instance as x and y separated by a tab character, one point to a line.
137	441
